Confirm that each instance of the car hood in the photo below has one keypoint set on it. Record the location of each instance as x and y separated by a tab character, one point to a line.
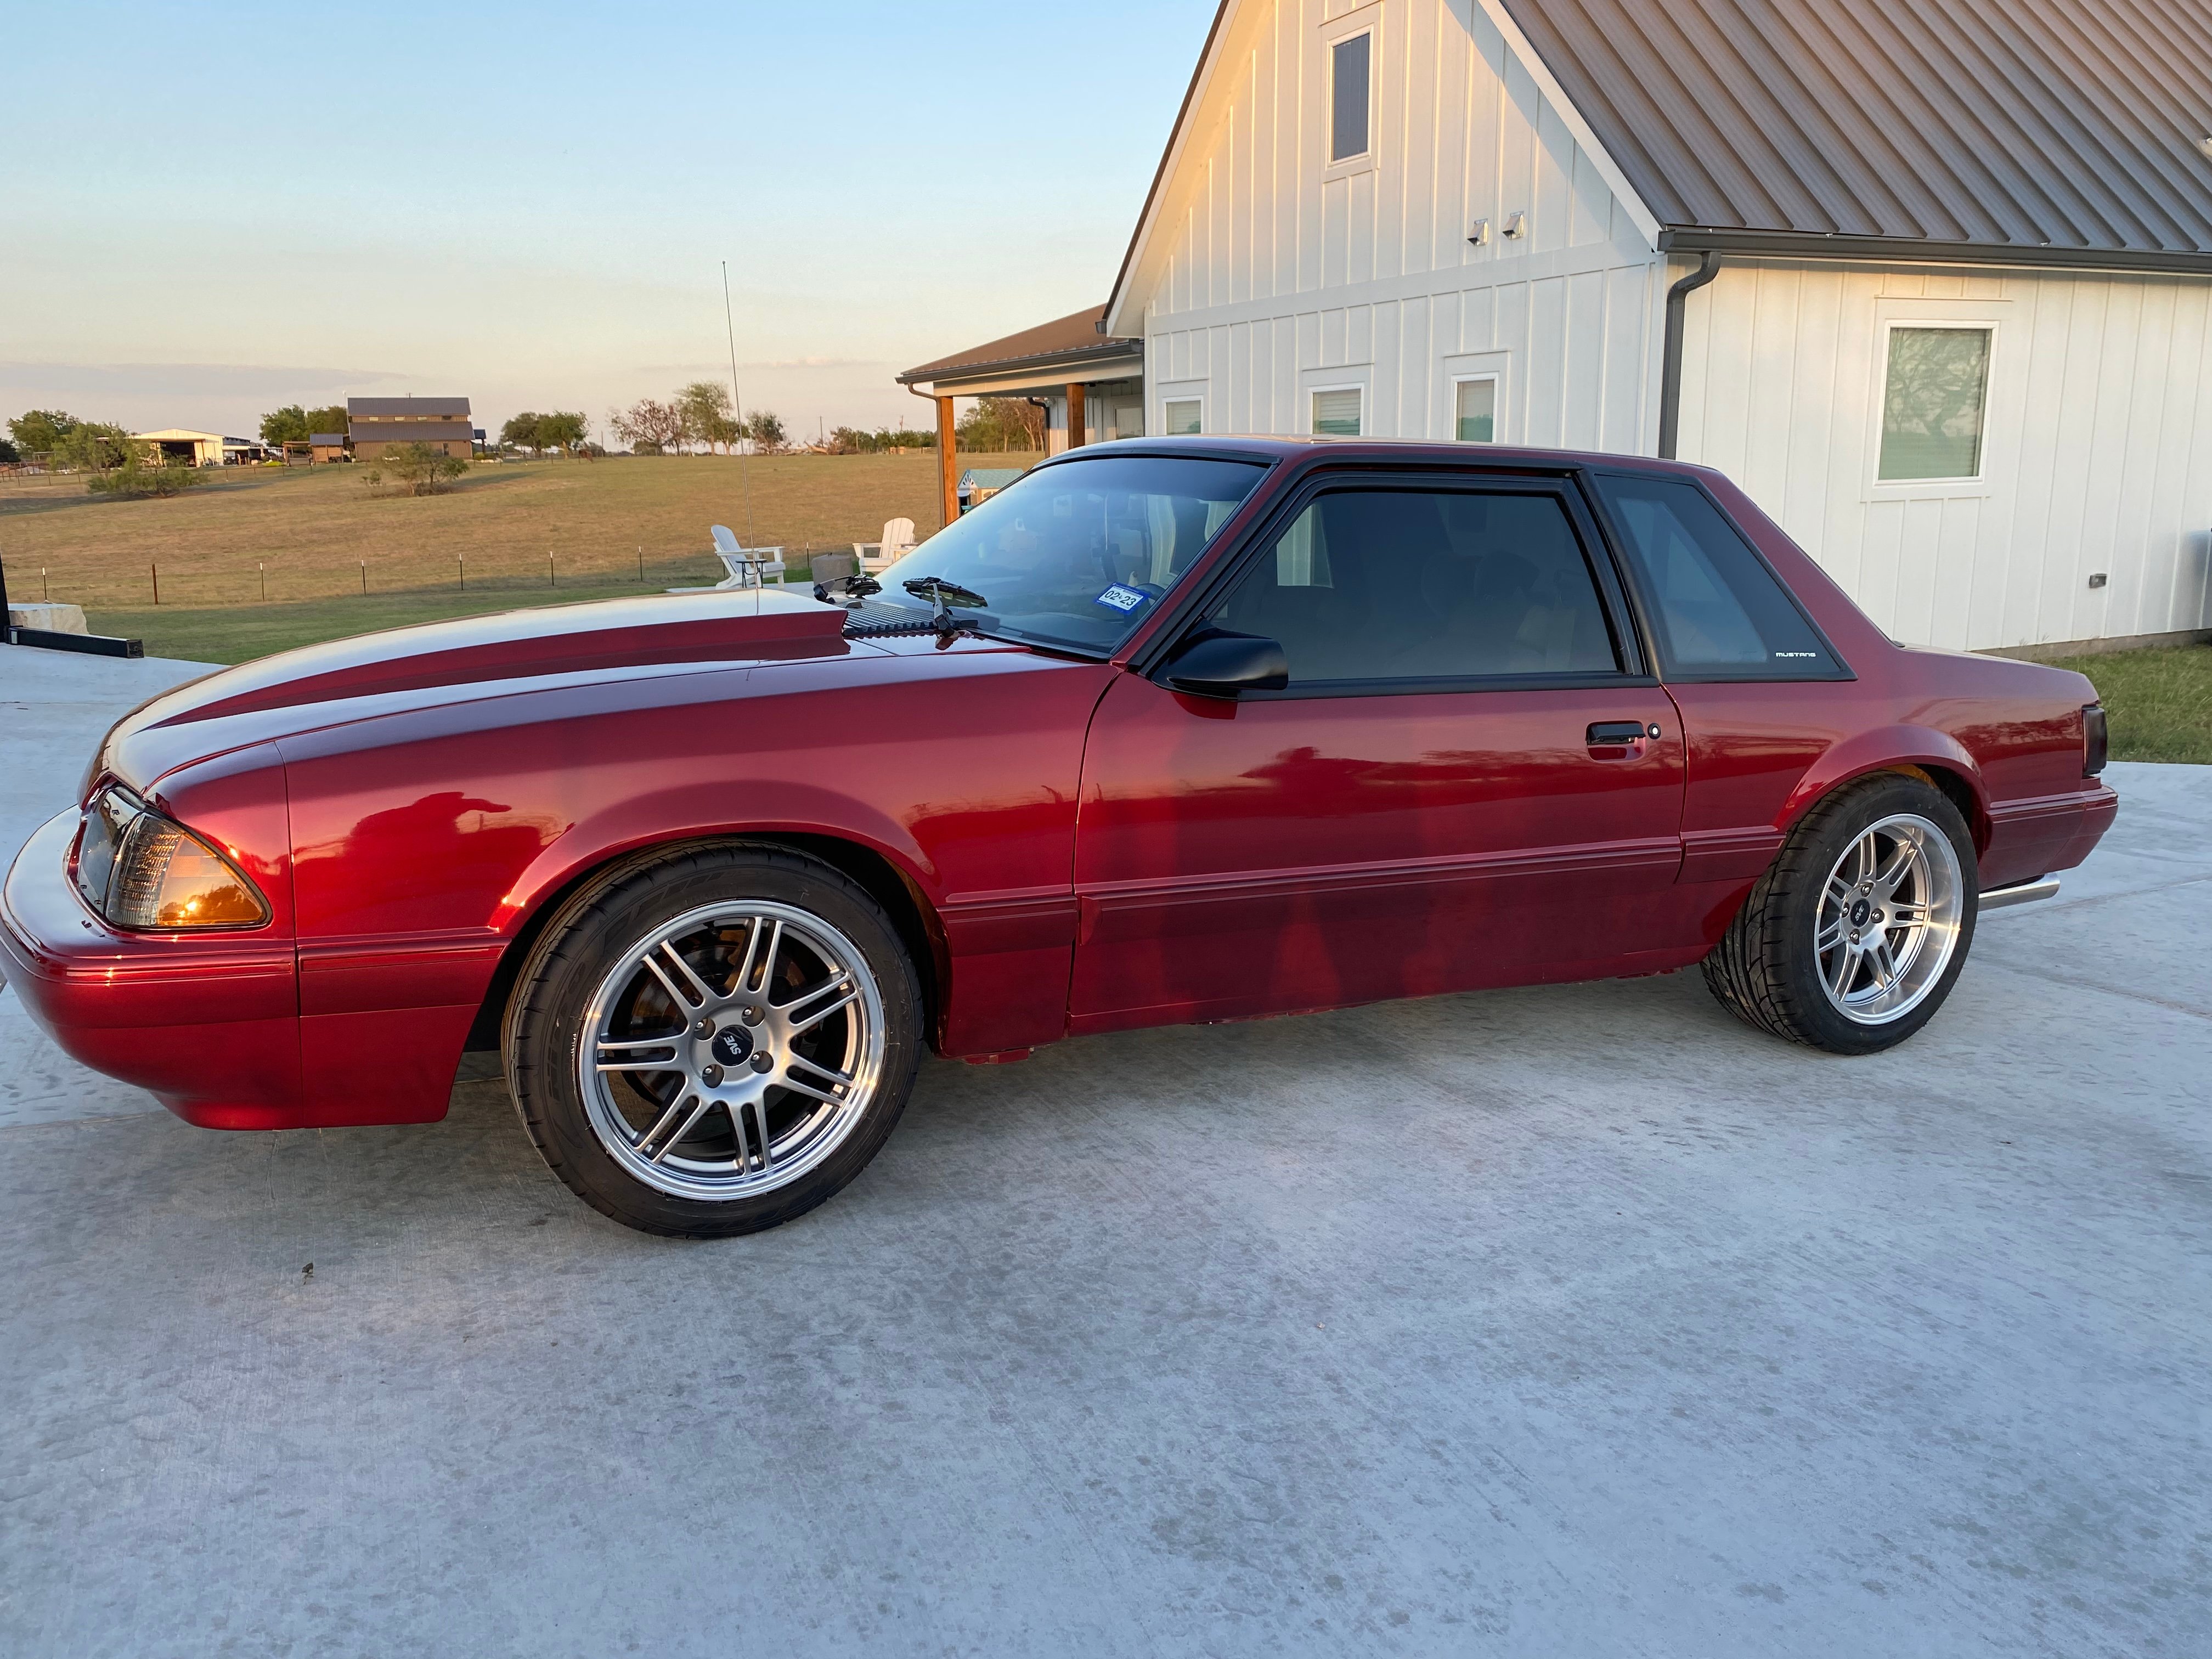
476	656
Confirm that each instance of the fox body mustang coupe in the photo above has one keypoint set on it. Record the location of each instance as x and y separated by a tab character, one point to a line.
1166	731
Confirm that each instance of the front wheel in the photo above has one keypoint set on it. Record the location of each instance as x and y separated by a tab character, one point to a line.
1853	938
715	1044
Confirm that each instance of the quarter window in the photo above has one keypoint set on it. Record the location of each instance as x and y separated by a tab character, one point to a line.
1420	586
1180	415
1719	612
1475	409
1933	403
1336	414
1348	96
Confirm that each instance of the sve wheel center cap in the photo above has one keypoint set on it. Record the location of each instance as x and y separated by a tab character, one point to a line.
732	1045
1860	912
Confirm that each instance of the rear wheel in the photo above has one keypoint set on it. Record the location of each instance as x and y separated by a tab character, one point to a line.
1853	938
716	1043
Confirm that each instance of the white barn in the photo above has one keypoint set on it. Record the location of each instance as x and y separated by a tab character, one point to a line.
1940	276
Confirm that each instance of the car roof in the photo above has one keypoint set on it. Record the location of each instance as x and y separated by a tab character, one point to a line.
1273	447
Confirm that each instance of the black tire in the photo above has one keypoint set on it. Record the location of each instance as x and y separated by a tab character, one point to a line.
1766	969
585	944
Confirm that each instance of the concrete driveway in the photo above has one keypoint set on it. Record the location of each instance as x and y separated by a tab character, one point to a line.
1569	1322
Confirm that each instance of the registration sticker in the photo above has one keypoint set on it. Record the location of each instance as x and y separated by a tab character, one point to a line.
1121	599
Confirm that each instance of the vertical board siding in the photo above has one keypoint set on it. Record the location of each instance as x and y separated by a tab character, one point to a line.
2098	446
1257	227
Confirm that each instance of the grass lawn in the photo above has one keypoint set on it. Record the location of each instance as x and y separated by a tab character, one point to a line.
239	633
260	559
2158	703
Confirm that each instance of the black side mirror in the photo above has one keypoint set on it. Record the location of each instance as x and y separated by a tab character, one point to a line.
1222	664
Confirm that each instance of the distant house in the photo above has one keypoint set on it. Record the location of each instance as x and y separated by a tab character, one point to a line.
374	425
326	447
180	446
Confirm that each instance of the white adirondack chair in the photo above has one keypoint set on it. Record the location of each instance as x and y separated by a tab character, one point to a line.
748	567
897	542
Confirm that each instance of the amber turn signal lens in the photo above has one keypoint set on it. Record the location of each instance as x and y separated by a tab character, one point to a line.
140	870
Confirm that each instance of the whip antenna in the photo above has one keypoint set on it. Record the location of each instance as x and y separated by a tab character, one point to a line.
738	409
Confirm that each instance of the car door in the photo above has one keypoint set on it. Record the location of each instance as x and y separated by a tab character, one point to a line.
1468	780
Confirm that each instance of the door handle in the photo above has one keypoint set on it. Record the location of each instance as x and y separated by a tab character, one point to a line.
1615	734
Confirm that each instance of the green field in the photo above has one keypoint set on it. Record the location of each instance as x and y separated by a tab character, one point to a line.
259	559
2158	703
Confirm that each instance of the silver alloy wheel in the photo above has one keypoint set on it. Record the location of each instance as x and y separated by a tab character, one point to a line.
731	1050
1889	915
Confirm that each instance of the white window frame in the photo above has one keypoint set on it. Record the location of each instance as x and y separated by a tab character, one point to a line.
1497	383
1167	429
1892	314
1315	391
1462	365
1367	21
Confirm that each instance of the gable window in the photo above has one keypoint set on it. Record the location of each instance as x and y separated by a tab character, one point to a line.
1179	416
1934	401
1348	65
1336	414
1475	411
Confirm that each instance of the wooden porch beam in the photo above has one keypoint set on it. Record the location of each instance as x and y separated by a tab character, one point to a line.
948	465
1074	413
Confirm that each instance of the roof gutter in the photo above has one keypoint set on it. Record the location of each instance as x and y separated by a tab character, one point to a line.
1894	250
1670	367
1105	351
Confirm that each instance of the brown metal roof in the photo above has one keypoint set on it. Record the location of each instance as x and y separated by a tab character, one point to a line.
1074	337
2021	128
426	409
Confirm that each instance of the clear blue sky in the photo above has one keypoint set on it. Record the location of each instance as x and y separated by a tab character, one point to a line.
208	210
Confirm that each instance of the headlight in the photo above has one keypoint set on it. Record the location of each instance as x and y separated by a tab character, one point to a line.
138	869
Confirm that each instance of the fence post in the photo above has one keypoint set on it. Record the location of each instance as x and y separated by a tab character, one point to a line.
550	582
260	567
364	579
462	561
157	569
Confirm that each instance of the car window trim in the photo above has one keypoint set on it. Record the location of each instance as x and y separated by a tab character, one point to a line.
1455	685
1647	611
1631	650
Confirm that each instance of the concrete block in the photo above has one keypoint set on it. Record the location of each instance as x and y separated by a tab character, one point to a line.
54	618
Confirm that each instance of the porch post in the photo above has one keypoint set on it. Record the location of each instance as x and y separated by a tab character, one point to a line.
948	465
1074	413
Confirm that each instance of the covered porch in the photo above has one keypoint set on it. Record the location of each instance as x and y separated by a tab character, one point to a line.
1089	385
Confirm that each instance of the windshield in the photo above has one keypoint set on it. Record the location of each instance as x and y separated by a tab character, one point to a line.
1079	553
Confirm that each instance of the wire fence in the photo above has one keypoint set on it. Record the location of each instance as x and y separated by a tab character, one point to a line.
201	583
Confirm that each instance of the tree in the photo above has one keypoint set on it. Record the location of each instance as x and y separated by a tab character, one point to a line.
287	425
130	478
520	432
9	453
91	446
1002	423
332	419
765	428
423	468
648	422
562	429
705	406
37	430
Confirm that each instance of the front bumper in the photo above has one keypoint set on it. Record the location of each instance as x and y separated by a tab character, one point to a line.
209	1023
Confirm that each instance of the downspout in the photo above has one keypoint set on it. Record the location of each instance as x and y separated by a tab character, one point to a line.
1671	369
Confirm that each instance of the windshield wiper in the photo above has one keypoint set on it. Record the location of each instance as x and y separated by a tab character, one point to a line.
941	593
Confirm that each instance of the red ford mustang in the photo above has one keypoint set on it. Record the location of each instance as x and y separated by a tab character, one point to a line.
1169	731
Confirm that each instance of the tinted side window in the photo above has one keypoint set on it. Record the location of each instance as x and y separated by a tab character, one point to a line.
1427	585
1717	609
